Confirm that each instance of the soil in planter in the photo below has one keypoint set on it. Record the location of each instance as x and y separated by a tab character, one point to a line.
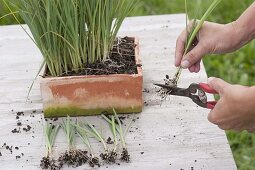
121	61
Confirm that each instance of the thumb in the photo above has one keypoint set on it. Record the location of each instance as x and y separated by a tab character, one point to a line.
217	84
193	56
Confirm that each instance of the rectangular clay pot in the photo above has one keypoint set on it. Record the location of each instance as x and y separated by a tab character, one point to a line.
92	94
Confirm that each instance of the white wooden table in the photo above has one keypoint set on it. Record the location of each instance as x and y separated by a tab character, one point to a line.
173	134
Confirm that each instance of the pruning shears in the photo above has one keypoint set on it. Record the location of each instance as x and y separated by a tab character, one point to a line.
197	92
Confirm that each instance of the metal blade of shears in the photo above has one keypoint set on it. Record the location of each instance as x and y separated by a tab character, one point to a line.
173	90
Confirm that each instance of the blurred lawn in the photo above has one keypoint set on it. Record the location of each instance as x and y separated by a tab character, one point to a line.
238	67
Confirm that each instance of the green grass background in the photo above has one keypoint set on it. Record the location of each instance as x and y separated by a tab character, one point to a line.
238	67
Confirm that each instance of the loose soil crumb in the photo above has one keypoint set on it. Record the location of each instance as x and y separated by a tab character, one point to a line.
55	119
122	117
7	147
15	130
27	129
109	141
20	113
146	90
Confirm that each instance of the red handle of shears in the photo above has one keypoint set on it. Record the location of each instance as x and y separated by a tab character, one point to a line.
206	88
211	105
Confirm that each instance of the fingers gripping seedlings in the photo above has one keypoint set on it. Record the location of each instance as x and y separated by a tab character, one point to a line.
48	162
192	33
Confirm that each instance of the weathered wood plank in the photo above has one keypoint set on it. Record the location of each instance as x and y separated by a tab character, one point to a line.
173	134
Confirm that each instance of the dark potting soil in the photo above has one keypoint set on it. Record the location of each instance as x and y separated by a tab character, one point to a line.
112	157
94	161
125	157
109	140
47	163
121	61
74	158
109	158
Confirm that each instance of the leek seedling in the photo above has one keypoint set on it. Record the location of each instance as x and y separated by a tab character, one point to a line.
113	154
116	126
91	131
96	134
84	136
48	162
73	157
192	33
124	155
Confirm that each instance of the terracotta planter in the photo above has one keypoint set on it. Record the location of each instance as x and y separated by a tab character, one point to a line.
91	95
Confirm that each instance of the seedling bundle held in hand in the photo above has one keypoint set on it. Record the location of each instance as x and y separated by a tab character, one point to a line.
192	33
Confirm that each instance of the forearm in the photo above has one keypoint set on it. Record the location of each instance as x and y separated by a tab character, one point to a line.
245	25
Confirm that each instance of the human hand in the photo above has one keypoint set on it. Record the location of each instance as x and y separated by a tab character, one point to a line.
212	39
236	108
